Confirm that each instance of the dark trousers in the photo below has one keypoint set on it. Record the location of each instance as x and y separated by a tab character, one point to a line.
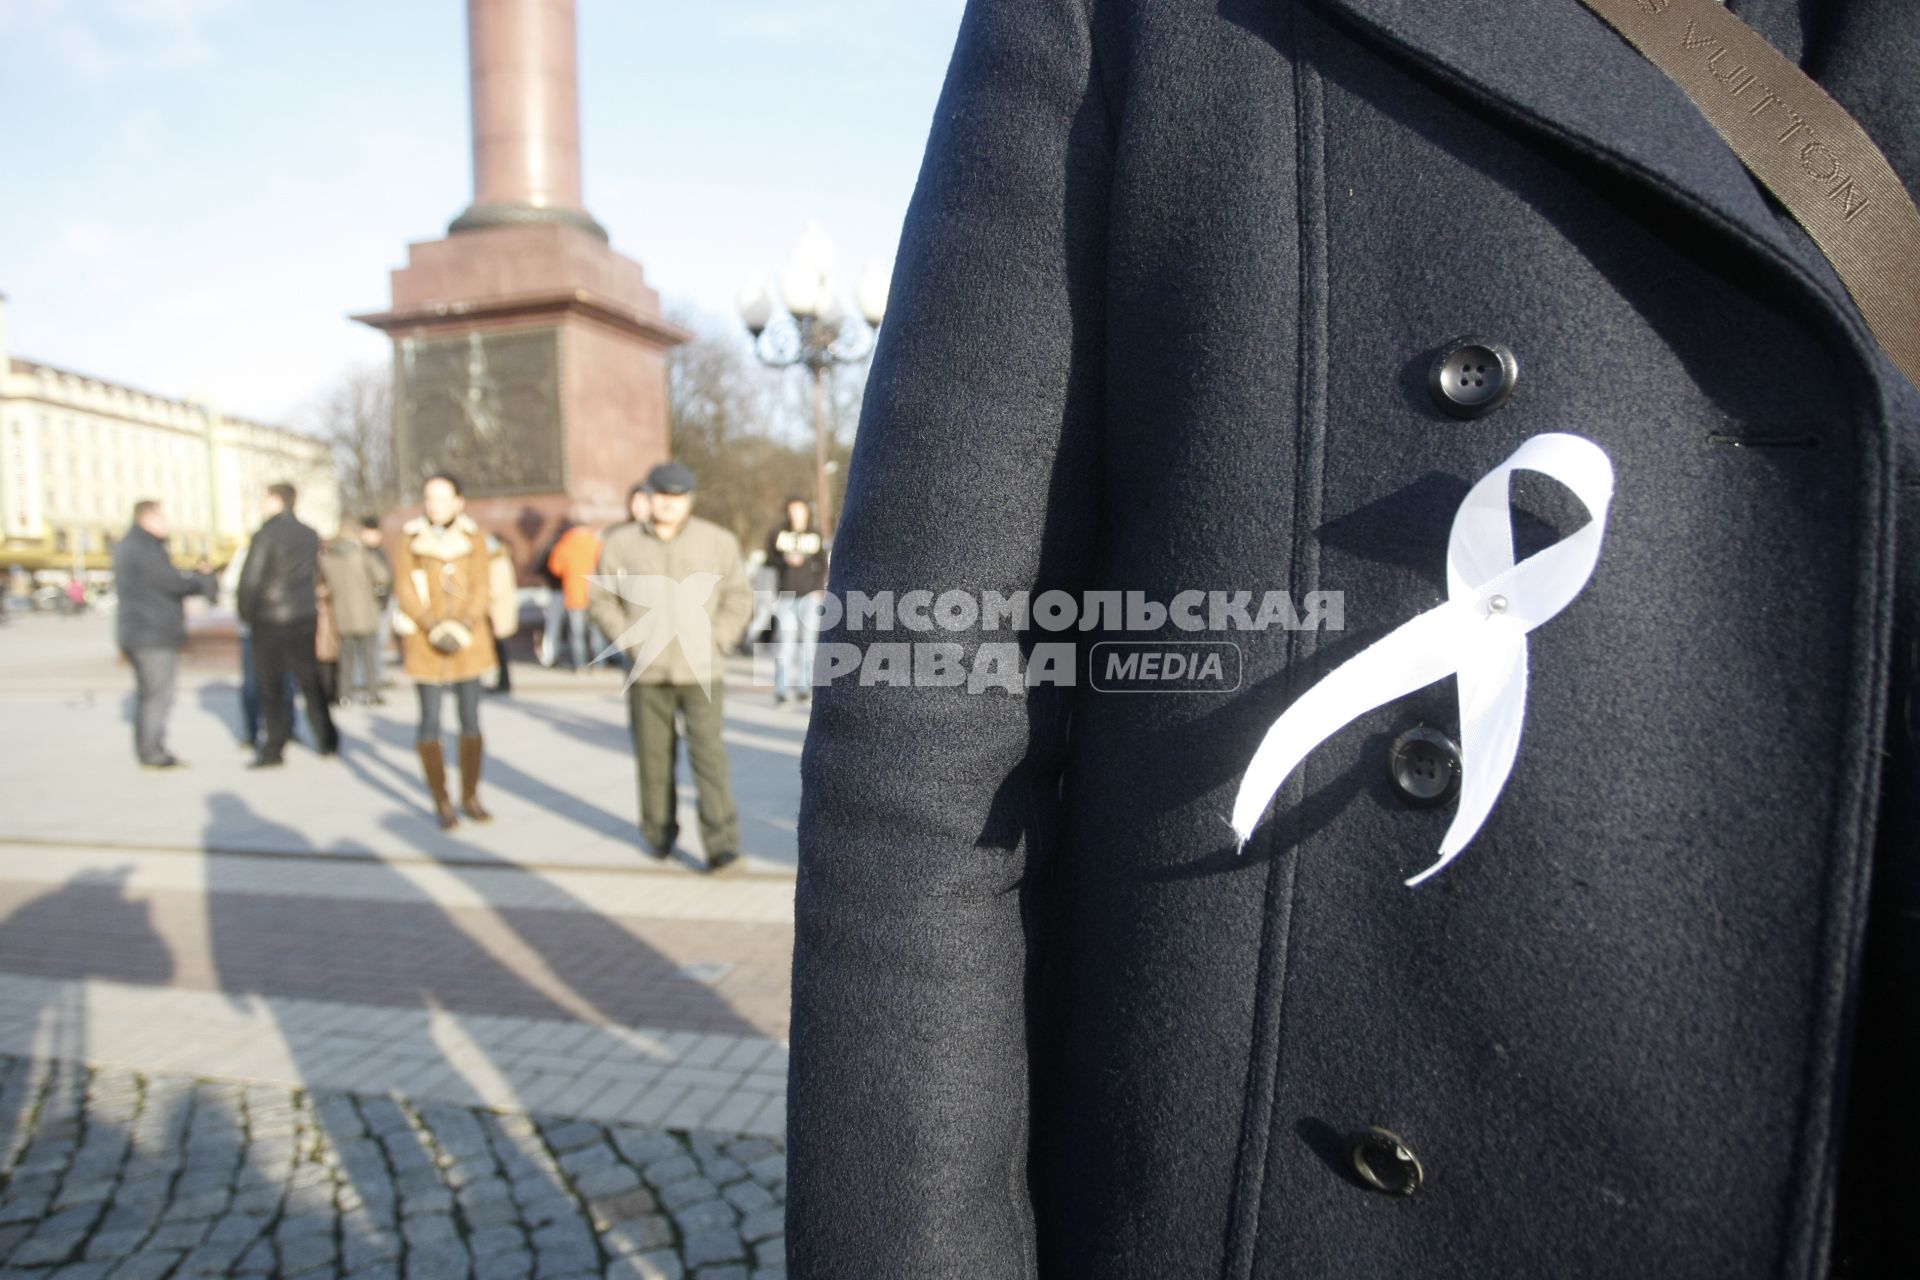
503	683
281	650
153	675
650	716
466	694
250	691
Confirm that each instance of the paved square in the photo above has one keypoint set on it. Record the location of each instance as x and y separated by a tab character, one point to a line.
280	1024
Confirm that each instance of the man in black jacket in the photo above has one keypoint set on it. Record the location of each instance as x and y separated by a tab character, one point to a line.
151	625
277	601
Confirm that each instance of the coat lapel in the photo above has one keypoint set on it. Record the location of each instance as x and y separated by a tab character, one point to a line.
1553	65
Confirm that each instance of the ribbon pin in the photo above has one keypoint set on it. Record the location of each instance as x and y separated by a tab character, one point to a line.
1479	635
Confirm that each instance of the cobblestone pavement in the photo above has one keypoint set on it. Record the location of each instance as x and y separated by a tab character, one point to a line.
112	1173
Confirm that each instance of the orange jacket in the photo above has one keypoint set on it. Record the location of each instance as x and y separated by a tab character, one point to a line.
573	561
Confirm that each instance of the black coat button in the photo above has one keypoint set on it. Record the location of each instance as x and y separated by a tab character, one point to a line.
1425	766
1385	1162
1473	377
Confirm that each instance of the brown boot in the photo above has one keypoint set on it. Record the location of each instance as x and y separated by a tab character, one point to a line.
433	762
472	752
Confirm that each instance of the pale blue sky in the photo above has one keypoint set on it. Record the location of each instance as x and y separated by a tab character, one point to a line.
195	193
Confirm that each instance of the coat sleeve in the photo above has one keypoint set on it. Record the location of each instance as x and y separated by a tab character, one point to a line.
928	814
475	607
253	572
180	584
603	606
735	600
405	597
379	574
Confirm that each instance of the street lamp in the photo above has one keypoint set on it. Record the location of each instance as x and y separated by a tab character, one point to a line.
813	330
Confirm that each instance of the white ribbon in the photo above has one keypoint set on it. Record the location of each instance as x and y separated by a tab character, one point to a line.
1478	635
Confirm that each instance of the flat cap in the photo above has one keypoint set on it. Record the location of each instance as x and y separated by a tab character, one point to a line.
670	477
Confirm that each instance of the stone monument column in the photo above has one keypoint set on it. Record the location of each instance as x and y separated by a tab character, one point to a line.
530	357
522	66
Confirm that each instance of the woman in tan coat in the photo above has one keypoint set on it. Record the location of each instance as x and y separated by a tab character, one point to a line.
440	585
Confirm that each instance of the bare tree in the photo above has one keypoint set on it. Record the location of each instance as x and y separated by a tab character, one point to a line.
846	395
745	430
355	416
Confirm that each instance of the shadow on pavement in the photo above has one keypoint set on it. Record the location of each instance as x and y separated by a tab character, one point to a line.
415	954
518	782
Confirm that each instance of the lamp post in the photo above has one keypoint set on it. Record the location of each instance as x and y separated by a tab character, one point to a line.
814	331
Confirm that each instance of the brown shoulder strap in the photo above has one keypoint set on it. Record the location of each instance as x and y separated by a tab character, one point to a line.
1802	145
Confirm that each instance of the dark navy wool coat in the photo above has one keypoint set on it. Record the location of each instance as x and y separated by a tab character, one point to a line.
1170	288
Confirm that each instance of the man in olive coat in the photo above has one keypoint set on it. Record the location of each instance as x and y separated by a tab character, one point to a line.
672	593
359	581
1239	296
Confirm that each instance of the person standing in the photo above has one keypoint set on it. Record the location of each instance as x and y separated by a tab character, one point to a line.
441	587
640	504
249	682
639	511
503	608
151	625
572	562
798	556
358	579
373	540
278	600
673	593
547	650
326	639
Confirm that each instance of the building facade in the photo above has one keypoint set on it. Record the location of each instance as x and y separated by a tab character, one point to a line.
76	452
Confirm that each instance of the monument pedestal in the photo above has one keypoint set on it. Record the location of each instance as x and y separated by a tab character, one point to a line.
529	358
531	362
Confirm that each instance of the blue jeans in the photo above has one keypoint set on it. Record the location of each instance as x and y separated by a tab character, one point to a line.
577	630
466	695
797	625
550	636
